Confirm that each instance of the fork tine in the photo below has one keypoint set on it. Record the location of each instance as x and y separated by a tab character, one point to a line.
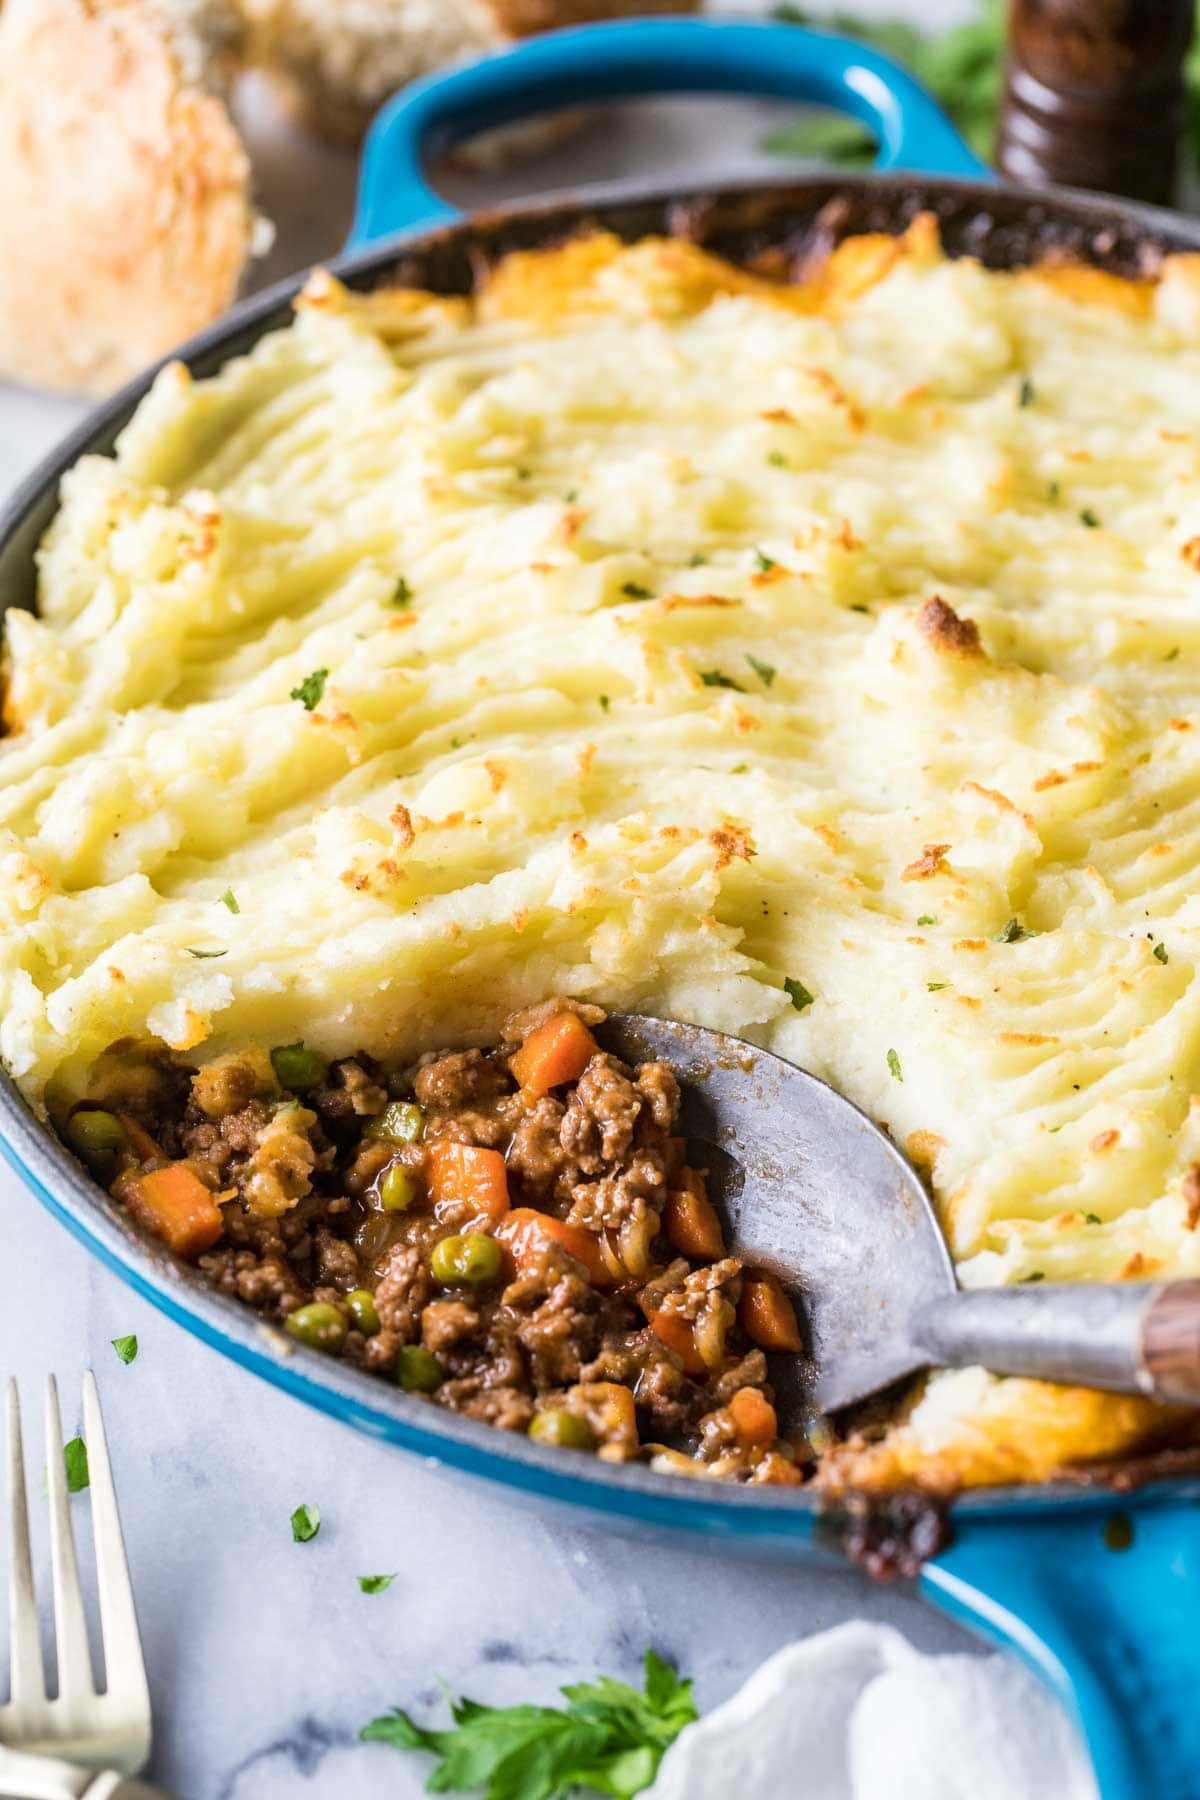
124	1665
70	1626
27	1681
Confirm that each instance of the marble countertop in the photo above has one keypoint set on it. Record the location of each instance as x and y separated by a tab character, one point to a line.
265	1659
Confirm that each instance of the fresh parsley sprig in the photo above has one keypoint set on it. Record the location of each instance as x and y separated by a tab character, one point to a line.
608	1738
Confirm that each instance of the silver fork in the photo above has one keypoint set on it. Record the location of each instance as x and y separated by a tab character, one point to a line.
108	1730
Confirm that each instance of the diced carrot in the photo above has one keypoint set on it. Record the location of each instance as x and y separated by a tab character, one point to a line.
776	1471
610	1409
143	1145
176	1206
767	1316
678	1335
558	1050
690	1219
753	1418
525	1232
466	1180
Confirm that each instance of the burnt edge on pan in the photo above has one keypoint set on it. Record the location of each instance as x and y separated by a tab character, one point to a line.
781	229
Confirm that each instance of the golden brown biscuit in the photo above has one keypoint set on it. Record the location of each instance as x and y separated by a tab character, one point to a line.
125	214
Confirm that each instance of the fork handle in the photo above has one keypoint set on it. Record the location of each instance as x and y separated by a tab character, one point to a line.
46	1778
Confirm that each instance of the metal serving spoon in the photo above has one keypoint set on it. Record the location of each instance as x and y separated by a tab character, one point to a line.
812	1190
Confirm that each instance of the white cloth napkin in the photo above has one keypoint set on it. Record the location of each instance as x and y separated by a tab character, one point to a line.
857	1714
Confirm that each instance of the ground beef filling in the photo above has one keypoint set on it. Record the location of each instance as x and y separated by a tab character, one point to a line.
513	1233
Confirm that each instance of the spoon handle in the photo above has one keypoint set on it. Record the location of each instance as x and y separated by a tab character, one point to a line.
1133	1337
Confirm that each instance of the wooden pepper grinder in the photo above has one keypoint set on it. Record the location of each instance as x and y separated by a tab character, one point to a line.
1093	94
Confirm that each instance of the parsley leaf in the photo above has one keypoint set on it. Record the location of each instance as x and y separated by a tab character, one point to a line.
697	559
306	1522
1026	393
609	1738
203	955
311	688
229	899
777	459
935	987
714	678
893	1063
1013	932
1171	654
605	703
1034	1275
1088	517
375	1584
763	562
1160	951
1092	1219
126	1347
797	993
75	1458
636	591
402	596
764	671
926	919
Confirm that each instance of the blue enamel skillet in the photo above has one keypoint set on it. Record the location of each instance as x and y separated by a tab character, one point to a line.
1115	1632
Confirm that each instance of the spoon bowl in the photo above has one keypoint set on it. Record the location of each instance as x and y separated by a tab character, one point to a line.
817	1193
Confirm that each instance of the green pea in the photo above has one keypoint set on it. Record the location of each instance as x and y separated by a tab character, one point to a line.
402	1122
97	1138
319	1324
397	1189
297	1067
418	1371
471	1260
565	1429
364	1311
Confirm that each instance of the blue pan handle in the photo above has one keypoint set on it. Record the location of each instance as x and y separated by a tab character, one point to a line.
1115	1632
643	56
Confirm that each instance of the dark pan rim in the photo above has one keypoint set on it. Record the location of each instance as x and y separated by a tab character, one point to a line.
1006	227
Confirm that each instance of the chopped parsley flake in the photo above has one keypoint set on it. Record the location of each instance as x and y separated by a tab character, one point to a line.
1013	932
926	919
1026	393
714	678
605	703
893	1063
1171	654
75	1458
636	591
1053	490
1087	517
456	743
126	1348
229	899
375	1584
935	987
1035	1275
697	559
739	768
1160	951
571	496
204	955
857	606
402	594
764	671
797	993
306	1522
777	459
763	562
1092	1219
311	688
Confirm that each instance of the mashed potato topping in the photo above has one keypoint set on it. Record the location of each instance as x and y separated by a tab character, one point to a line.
821	664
